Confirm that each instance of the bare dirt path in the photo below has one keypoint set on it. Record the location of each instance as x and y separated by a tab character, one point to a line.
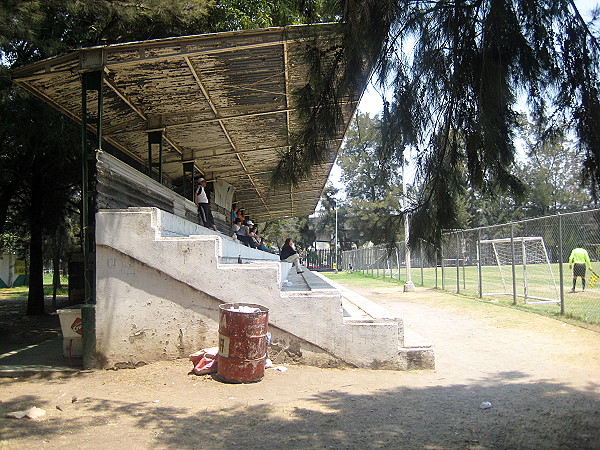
541	376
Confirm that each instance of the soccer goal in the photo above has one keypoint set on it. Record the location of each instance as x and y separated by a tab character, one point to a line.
532	269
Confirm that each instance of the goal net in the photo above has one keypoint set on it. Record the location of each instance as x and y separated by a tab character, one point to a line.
526	260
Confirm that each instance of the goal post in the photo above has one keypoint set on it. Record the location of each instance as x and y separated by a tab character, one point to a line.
529	256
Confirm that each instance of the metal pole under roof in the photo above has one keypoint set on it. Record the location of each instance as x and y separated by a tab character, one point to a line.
90	81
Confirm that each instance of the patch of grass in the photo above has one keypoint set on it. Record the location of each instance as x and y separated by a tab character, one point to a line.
14	293
581	309
359	280
22	291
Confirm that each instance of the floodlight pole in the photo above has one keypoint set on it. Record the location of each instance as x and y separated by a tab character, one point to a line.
408	285
336	235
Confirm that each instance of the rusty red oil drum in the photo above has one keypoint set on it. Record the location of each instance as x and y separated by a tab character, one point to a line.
242	342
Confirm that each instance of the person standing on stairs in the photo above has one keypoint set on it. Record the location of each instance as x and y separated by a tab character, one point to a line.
202	200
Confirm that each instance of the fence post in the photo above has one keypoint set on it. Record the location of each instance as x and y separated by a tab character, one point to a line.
560	265
457	263
524	262
512	250
436	268
462	259
442	267
364	260
479	279
398	261
422	264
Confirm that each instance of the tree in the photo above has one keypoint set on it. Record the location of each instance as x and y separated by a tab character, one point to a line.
554	184
243	14
36	178
373	184
455	70
298	228
324	220
43	183
365	175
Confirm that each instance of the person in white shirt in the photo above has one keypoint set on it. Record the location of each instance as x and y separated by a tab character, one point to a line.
201	199
243	234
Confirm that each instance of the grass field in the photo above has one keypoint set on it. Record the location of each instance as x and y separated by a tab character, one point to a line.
543	284
22	291
581	307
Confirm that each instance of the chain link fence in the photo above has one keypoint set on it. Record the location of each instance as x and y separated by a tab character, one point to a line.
379	261
522	263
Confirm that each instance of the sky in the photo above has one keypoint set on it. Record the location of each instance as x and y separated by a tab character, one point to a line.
371	100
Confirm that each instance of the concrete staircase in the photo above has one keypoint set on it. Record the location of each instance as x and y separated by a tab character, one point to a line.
160	280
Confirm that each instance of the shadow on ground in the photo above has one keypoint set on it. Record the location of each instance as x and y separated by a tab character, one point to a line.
523	415
18	330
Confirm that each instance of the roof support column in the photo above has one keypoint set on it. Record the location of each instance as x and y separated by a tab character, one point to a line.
155	137
90	82
188	180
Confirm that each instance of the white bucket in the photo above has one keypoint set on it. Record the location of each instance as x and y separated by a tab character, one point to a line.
71	327
72	347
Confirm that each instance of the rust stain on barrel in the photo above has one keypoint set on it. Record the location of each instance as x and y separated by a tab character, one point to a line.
242	342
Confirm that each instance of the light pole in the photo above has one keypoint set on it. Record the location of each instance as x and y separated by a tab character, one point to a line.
336	236
408	285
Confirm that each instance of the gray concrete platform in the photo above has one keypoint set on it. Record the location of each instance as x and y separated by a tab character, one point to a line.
305	281
43	359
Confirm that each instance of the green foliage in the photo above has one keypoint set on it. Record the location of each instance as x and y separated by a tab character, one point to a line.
552	174
335	74
373	184
366	175
38	29
238	14
324	222
455	70
298	228
39	171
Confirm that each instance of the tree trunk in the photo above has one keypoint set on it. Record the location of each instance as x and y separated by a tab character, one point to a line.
8	191
55	274
35	299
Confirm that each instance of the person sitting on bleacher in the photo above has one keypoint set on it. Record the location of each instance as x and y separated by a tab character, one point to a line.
288	253
235	227
234	212
270	247
240	214
254	235
263	246
243	234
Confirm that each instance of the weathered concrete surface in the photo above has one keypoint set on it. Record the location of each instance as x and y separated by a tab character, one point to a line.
158	293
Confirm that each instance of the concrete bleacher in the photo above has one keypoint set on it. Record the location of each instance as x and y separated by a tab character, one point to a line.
160	281
175	226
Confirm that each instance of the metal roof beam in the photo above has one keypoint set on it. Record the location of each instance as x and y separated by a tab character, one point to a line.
222	125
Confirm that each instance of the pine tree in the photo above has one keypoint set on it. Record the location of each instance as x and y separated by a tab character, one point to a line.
455	70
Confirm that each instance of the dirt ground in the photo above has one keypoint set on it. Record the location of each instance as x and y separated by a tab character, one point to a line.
541	376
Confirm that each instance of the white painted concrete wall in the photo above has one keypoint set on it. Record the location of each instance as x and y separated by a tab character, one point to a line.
143	316
170	225
7	268
157	296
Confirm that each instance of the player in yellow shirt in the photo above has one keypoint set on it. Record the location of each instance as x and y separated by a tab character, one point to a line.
579	261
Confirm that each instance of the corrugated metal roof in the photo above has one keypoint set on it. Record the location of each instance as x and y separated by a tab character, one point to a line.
222	99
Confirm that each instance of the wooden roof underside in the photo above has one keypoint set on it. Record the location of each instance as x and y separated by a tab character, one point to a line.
223	100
